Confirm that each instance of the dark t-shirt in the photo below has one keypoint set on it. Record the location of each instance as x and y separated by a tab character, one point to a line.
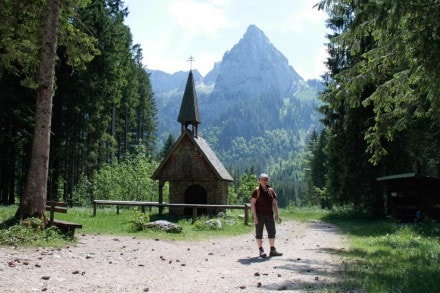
263	205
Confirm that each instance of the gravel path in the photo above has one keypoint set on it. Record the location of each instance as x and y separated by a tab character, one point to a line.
103	263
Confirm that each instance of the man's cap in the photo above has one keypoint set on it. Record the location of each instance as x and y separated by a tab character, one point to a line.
263	175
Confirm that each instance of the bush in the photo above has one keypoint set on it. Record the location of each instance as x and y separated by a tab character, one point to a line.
30	232
138	222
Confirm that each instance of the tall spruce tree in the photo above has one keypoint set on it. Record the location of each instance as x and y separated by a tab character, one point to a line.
33	201
349	176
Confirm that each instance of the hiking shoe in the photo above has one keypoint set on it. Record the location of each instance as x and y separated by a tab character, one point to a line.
262	254
274	252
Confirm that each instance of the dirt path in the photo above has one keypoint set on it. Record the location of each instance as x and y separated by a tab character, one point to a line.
122	264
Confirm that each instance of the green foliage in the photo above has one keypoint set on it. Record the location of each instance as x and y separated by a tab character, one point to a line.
384	61
128	180
30	232
248	182
167	146
21	31
138	221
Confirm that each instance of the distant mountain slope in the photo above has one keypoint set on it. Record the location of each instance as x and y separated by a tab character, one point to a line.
253	93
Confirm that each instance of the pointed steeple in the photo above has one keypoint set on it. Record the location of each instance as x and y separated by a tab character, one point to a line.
189	109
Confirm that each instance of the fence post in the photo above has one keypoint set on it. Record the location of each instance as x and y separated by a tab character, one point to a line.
194	215
246	214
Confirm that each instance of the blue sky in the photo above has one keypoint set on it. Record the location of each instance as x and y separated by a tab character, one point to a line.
169	31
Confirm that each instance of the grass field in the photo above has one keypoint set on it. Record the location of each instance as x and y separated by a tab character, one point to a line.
382	256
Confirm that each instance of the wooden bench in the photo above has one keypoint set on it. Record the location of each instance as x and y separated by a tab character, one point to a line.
67	228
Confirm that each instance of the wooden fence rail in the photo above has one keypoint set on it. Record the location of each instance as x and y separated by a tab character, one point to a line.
143	204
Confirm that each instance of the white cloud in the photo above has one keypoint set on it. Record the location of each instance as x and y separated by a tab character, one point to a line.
198	17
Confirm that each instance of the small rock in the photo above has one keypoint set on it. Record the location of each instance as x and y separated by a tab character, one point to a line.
242	287
259	284
45	277
257	274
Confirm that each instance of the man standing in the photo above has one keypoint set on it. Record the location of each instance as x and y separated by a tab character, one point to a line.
264	205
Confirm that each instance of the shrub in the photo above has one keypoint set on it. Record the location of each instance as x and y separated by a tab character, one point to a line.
30	232
138	221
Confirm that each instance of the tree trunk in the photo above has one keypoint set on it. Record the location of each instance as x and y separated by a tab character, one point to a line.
33	201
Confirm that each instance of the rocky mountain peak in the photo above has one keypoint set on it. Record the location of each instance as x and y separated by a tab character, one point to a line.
254	67
254	35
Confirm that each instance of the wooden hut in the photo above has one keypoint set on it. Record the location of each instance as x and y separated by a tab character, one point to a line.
411	196
193	171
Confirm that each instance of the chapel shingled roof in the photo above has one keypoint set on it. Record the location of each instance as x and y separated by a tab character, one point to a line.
189	109
213	159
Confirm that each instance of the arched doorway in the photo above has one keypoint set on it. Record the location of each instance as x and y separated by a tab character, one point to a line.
195	194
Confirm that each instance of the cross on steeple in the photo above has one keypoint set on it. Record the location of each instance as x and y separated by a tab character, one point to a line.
191	60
